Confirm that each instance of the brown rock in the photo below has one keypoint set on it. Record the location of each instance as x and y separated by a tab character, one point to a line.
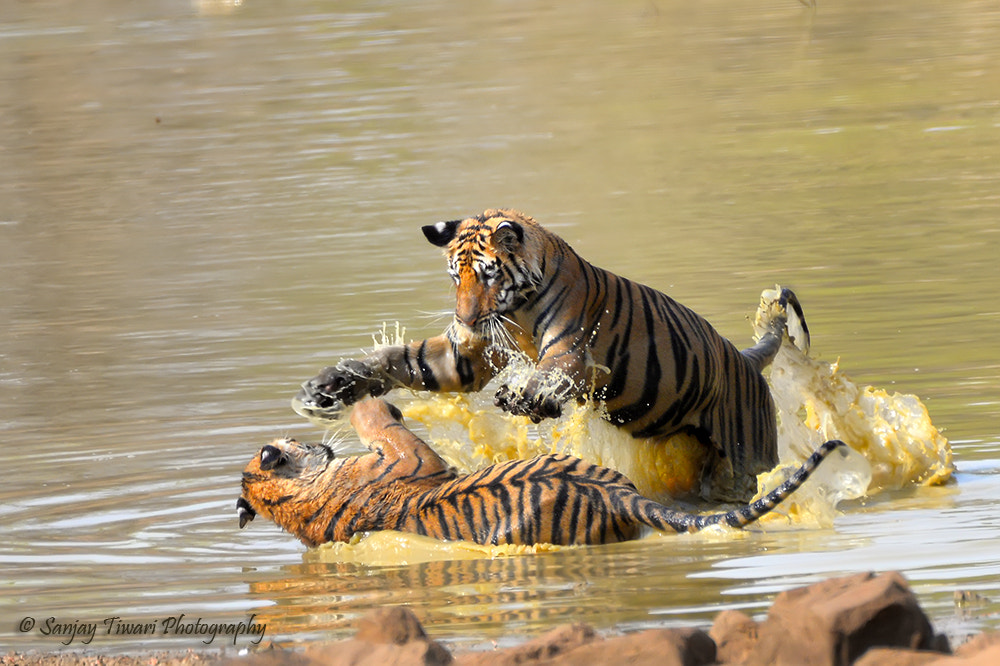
898	657
363	653
577	645
735	635
386	637
979	643
990	656
271	657
984	650
542	649
836	621
655	647
396	625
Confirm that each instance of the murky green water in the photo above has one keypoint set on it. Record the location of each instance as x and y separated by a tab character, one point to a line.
200	208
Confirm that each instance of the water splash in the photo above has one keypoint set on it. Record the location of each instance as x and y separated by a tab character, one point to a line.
892	441
893	432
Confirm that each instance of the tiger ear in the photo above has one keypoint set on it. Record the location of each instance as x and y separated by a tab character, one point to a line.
508	235
440	234
270	457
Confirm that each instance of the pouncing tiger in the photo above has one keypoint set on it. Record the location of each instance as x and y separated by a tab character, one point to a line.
658	367
402	484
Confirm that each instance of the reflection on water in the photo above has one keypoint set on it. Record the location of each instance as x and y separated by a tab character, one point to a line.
479	600
200	208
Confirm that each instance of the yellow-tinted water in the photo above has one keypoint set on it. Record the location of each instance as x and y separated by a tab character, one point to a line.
201	205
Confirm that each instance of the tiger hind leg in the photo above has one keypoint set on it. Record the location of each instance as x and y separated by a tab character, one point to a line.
779	313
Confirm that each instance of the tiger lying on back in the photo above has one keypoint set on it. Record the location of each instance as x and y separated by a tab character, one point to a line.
657	366
404	485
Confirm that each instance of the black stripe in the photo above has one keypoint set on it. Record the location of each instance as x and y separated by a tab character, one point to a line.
619	365
558	509
680	407
276	502
549	312
574	516
544	287
505	508
442	522
651	384
408	364
430	382
468	513
464	367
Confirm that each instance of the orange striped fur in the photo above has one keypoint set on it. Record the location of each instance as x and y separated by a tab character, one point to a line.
402	484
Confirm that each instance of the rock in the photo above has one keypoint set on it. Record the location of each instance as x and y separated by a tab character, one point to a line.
655	647
982	651
577	644
363	653
735	635
836	621
988	657
396	625
542	649
979	643
898	657
386	637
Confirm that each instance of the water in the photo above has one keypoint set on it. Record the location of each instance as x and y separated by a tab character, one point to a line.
203	204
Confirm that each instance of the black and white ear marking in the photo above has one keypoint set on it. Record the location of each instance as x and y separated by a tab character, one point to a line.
270	457
245	512
508	235
440	234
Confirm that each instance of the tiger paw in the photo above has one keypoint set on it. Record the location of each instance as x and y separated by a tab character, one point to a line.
325	395
537	406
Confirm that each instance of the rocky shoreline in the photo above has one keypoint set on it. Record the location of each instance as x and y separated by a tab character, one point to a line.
864	619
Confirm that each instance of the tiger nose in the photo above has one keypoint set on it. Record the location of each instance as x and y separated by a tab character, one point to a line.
467	319
467	305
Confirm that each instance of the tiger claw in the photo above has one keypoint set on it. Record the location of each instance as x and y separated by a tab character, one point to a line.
323	398
346	382
537	407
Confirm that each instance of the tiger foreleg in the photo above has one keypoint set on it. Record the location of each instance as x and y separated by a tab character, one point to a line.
341	385
379	426
435	364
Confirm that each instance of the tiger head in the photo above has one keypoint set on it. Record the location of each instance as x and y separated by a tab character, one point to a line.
496	260
286	481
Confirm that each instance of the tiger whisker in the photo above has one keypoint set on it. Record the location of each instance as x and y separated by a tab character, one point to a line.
436	316
499	335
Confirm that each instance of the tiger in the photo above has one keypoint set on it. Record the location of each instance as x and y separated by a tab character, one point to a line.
402	484
656	367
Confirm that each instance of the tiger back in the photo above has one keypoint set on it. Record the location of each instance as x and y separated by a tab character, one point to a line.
403	485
